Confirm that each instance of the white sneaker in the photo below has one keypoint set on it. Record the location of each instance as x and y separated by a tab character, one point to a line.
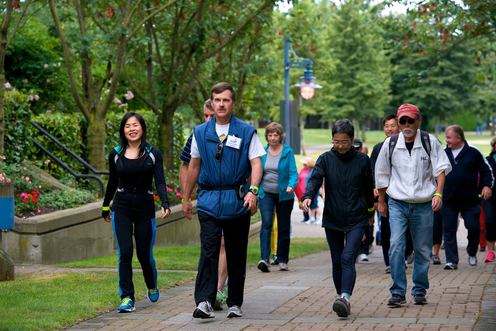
363	257
234	311
283	267
204	310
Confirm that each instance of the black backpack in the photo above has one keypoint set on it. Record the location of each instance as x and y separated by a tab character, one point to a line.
424	137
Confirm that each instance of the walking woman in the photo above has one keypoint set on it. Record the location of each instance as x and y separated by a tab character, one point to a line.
276	193
489	207
348	206
133	165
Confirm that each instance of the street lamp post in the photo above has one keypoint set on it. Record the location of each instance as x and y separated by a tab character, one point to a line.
307	82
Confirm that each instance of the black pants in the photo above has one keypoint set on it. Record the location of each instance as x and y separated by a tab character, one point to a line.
344	248
236	242
369	240
126	224
437	233
386	240
450	227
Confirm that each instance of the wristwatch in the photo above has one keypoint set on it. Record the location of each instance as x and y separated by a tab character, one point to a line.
254	190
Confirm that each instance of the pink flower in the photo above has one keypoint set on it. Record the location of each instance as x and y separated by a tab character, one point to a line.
7	85
23	195
169	189
45	66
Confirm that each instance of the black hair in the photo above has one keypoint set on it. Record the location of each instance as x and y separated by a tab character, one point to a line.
343	126
388	118
122	136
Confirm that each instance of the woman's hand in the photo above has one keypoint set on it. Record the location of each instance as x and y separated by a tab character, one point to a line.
289	190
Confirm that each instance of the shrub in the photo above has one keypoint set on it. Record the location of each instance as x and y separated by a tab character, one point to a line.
17	126
66	129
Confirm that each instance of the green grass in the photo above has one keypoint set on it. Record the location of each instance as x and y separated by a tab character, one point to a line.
186	257
52	301
314	137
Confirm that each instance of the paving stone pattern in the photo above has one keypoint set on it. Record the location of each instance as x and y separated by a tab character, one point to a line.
301	299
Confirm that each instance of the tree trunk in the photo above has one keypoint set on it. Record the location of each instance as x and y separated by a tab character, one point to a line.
97	135
166	136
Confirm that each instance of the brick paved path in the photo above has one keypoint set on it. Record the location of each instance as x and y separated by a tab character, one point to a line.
300	299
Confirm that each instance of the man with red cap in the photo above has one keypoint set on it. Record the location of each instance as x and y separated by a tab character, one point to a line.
411	168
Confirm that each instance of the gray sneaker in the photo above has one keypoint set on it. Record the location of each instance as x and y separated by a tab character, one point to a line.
283	266
435	259
472	260
204	310
234	311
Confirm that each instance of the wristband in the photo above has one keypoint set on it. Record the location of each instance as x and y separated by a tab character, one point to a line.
438	194
105	208
370	210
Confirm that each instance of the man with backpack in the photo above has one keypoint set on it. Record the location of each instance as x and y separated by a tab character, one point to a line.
412	171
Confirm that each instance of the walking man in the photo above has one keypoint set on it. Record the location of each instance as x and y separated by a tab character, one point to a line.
225	161
411	168
391	127
470	180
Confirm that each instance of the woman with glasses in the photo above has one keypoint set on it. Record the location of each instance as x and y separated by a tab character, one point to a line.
348	206
276	194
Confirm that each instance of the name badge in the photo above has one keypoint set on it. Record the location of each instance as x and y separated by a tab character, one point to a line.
233	142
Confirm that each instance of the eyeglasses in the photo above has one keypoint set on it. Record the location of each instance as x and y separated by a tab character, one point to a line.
405	120
341	142
218	155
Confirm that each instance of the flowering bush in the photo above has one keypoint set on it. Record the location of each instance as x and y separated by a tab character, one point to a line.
4	179
28	202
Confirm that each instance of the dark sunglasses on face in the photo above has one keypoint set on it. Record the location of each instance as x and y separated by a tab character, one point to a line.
218	155
405	120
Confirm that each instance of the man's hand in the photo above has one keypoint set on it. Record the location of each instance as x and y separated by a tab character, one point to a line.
382	208
188	209
289	190
250	202
486	193
437	203
165	212
306	205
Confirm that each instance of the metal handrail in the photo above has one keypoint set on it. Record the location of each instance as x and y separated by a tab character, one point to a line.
71	153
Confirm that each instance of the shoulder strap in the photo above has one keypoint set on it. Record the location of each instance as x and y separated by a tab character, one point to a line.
426	141
392	144
118	151
148	149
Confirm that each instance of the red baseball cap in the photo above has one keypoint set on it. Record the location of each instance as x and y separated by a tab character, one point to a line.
408	110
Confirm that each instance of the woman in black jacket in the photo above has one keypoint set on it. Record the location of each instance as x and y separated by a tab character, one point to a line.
133	166
348	206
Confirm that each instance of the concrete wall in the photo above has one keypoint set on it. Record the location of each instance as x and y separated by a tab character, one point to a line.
79	233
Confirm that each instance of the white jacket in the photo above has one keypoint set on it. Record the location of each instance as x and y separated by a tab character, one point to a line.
412	177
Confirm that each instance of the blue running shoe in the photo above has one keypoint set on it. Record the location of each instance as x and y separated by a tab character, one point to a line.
153	294
127	306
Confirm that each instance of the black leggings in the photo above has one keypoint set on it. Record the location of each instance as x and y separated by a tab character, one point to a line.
490	211
125	224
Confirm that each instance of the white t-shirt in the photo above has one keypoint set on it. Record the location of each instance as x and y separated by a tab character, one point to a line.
457	151
255	150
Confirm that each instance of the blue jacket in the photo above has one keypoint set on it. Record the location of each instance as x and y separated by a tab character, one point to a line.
288	175
470	173
222	182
